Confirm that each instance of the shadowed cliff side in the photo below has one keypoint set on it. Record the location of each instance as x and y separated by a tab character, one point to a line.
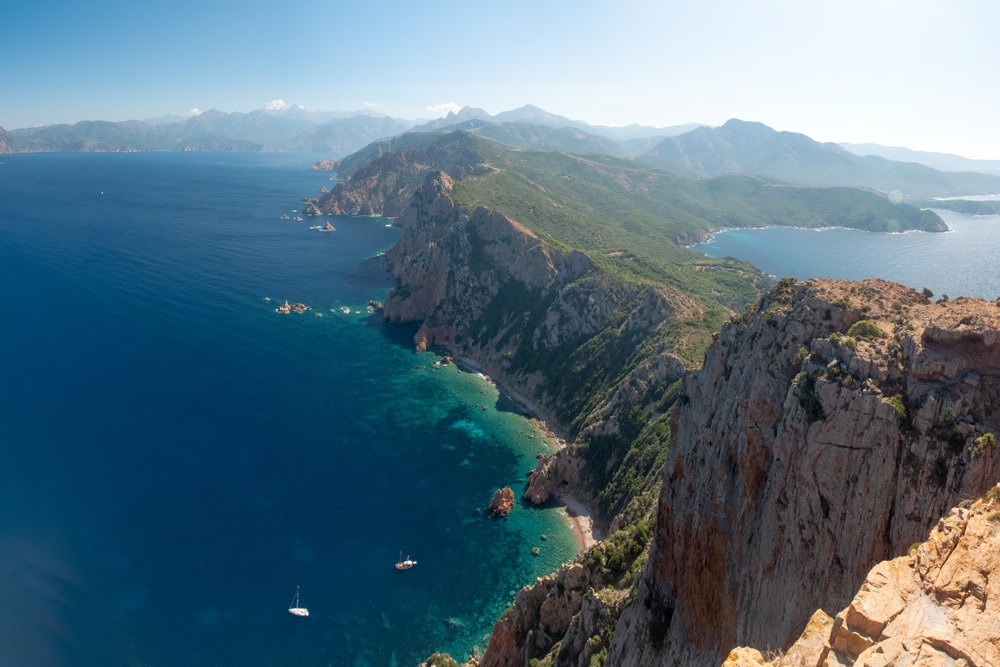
827	430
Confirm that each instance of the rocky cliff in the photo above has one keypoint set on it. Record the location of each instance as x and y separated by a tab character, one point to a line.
555	329
382	180
937	605
4	141
828	430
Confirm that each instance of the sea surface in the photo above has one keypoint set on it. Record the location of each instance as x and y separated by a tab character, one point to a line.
964	261
177	459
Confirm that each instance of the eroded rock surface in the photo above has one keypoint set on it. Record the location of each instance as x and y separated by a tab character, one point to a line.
803	455
502	502
937	605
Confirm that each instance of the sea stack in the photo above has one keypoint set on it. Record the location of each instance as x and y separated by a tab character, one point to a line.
502	503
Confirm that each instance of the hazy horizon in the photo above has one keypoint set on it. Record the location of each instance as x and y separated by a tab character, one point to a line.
914	75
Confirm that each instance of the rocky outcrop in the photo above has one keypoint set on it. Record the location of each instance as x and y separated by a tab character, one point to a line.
502	502
803	453
540	616
551	474
325	165
4	141
937	605
310	207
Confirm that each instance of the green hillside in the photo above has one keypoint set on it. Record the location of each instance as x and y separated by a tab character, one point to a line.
630	218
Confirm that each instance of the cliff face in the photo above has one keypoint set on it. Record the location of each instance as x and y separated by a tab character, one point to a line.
937	605
802	456
549	324
4	137
383	185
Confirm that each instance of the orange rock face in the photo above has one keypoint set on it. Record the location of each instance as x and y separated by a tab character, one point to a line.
938	605
502	502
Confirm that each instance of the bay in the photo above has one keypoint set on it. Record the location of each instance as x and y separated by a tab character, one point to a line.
959	262
178	458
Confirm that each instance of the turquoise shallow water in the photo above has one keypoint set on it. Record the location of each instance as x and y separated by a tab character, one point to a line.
960	262
177	457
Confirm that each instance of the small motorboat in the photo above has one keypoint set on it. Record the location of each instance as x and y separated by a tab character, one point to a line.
405	564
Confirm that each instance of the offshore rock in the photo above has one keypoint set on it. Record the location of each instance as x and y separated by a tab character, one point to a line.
801	456
502	502
311	208
937	605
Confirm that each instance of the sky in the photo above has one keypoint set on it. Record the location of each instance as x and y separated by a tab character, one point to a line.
914	73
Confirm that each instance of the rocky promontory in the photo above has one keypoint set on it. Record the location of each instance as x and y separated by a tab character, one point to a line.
828	430
484	287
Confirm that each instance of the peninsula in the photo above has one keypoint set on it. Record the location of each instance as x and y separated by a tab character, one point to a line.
726	431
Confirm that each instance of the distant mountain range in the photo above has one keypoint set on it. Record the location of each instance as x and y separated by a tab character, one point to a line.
693	150
754	148
942	161
339	133
288	130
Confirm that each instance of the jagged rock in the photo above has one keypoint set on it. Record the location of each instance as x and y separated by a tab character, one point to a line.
552	473
540	616
311	208
325	165
502	502
937	605
800	458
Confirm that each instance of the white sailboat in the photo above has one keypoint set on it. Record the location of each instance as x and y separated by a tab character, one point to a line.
295	609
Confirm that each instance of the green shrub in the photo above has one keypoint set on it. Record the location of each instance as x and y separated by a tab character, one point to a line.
900	406
983	442
441	660
865	329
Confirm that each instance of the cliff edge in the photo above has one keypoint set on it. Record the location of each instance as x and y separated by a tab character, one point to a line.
828	430
937	605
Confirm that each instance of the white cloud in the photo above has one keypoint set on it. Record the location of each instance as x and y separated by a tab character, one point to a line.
444	108
276	105
373	104
195	112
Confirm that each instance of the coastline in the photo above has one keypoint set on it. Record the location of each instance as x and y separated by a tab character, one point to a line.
575	512
530	410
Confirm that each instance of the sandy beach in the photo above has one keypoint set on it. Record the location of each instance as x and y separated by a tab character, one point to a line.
579	516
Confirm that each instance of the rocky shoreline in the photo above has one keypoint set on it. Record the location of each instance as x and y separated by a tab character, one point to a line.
576	511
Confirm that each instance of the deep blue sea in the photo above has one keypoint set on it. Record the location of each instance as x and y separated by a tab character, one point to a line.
960	262
176	457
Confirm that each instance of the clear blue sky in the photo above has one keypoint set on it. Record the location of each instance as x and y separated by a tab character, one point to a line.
917	73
